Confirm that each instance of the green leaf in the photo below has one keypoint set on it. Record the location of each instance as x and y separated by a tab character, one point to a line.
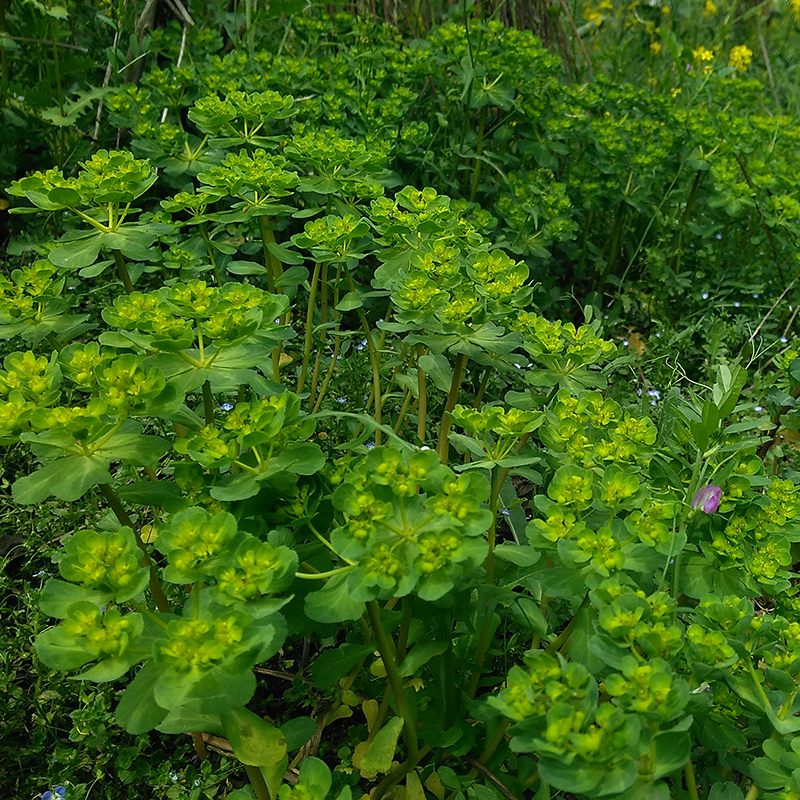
138	711
298	731
254	740
350	301
671	753
301	458
191	717
419	655
333	603
67	478
293	276
769	775
316	777
57	649
725	791
380	753
57	596
151	493
331	665
438	369
284	254
78	254
575	777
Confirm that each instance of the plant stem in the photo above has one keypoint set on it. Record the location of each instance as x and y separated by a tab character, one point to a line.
122	269
210	251
752	794
199	745
323	318
398	774
422	386
458	375
257	781
208	403
162	604
387	651
312	295
691	783
476	172
676	570
562	637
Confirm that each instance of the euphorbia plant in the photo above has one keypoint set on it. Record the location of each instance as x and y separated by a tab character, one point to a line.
629	595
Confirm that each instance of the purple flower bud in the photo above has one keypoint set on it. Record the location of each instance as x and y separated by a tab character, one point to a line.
708	499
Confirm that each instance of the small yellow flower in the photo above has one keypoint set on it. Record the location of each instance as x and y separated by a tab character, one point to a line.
710	9
702	54
740	57
675	92
655	48
795	5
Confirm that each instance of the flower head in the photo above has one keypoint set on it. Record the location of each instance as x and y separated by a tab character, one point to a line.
707	499
740	57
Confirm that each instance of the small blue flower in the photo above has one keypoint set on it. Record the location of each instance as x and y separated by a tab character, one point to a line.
226	407
58	793
759	409
173	776
718	235
342	401
361	345
736	304
755	297
784	340
704	295
505	512
625	343
369	445
40	574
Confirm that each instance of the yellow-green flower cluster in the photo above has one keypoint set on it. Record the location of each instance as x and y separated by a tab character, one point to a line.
101	634
202	643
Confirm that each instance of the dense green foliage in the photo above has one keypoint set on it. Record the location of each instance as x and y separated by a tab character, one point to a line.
337	476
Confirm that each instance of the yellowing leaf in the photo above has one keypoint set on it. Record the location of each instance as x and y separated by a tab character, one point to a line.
435	786
370	709
414	790
148	533
380	753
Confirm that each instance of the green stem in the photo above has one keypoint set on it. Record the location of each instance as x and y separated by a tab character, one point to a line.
122	269
257	781
387	651
316	576
210	251
323	318
162	604
422	386
691	783
687	212
443	446
396	775
676	570
476	172
146	612
274	269
562	637
208	403
329	374
312	295
752	794
402	636
57	69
